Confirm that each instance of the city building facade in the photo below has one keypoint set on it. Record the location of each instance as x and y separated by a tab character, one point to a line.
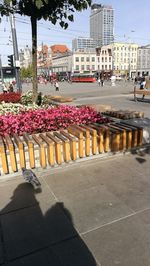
124	58
84	62
83	43
102	24
62	63
25	57
104	58
143	61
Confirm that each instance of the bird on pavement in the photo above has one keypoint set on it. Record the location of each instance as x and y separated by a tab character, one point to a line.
30	177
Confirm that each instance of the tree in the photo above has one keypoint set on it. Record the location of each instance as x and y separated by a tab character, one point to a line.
52	10
26	72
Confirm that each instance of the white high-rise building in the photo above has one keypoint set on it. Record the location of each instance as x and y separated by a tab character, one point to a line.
102	24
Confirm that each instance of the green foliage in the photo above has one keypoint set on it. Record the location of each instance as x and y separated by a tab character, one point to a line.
52	10
26	98
26	72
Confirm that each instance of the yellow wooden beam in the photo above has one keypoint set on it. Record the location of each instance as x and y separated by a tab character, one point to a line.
10	146
50	149
20	146
58	145
42	153
30	145
3	156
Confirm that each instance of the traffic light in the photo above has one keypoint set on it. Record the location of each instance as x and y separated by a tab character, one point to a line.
10	60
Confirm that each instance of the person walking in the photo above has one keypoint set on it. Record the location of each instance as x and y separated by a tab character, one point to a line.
5	90
11	88
102	81
56	86
99	81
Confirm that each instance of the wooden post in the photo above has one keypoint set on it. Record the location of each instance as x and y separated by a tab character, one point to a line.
73	148
30	145
93	133
134	135
79	135
128	134
50	149
3	156
65	141
100	137
11	152
86	134
58	144
122	144
42	154
20	146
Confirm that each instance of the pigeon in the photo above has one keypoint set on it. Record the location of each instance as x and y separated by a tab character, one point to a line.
30	177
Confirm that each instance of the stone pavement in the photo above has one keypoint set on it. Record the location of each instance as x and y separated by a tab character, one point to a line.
93	213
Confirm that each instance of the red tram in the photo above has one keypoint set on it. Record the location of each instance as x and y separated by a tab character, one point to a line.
83	78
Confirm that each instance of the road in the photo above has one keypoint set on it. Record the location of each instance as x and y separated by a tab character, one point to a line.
119	97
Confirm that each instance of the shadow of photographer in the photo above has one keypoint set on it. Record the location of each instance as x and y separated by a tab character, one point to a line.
34	234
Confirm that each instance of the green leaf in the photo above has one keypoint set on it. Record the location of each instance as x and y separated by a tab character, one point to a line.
70	17
39	3
65	25
62	24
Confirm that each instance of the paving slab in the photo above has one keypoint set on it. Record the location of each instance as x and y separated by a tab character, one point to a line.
28	230
17	194
124	242
127	180
43	257
72	252
1	248
69	180
93	207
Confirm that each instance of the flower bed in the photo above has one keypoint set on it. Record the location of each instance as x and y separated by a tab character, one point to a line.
16	108
11	97
35	121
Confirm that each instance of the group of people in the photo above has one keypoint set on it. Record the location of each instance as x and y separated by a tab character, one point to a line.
9	88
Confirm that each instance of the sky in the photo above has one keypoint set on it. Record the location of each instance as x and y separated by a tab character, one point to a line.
131	25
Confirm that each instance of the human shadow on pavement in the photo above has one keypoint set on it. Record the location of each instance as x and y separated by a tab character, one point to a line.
40	233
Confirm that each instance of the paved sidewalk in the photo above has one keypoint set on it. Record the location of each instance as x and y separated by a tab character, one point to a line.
93	213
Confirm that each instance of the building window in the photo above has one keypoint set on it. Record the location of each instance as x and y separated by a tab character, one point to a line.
82	67
109	59
105	67
88	67
109	67
105	59
87	59
77	59
82	59
102	59
93	67
93	59
77	67
102	67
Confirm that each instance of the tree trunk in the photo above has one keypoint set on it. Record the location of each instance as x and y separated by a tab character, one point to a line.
34	58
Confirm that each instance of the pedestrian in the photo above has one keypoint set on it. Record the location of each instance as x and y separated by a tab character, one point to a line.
56	86
142	83
11	88
5	90
102	81
99	81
